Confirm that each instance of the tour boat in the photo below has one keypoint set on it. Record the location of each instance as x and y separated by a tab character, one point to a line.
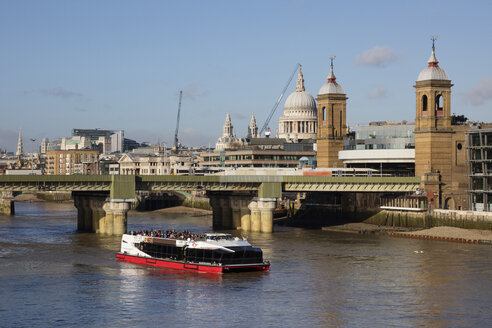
211	252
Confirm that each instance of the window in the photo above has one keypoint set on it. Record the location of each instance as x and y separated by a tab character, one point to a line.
439	102
324	113
424	103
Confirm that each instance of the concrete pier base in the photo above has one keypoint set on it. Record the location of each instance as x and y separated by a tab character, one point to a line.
97	213
266	208
7	206
242	211
255	216
245	219
236	212
115	221
7	203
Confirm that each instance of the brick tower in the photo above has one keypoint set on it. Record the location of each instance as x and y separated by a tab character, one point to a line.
332	124
440	156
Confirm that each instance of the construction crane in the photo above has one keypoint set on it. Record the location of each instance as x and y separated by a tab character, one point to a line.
176	145
265	126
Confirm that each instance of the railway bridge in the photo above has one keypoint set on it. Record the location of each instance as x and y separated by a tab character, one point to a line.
245	201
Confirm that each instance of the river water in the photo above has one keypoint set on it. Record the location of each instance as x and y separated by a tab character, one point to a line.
51	275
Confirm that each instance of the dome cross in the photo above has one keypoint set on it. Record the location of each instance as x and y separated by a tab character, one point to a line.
433	62
332	78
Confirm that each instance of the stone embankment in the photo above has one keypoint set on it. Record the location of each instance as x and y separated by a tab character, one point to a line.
470	236
443	233
436	218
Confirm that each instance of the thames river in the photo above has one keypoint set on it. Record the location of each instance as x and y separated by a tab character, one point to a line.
51	275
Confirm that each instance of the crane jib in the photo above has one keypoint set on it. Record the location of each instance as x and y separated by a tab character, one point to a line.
177	122
265	126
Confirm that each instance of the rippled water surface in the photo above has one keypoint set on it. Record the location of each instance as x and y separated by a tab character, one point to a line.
51	275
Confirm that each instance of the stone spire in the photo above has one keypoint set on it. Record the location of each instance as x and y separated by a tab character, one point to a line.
252	128
300	81
19	151
228	128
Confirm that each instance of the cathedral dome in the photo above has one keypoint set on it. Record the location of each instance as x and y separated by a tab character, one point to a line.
300	114
331	86
433	71
300	100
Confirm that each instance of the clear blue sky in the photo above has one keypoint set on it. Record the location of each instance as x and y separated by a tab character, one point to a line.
120	64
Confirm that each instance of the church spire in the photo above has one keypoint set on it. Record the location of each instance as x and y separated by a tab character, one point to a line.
332	78
228	128
252	128
300	81
19	151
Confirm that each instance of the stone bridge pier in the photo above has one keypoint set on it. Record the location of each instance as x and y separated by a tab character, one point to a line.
7	203
245	212
98	213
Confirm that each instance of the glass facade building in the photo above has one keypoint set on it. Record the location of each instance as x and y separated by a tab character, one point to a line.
386	147
382	136
479	159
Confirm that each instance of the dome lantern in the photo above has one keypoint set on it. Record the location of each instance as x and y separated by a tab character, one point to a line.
433	71
331	86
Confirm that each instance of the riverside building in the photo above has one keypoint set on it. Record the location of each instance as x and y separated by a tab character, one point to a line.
386	147
67	162
479	148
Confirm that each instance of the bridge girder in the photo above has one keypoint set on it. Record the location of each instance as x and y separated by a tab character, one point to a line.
54	186
121	185
346	187
211	186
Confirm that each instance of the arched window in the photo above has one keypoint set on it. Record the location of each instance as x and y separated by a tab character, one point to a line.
324	113
424	103
439	102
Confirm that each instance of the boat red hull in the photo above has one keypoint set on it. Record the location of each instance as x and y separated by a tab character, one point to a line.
177	265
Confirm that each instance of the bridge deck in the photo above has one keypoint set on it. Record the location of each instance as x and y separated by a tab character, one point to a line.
124	186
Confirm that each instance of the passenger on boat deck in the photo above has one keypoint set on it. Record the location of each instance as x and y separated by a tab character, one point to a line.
171	234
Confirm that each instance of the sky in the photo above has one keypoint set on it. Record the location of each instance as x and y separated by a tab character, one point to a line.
120	64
